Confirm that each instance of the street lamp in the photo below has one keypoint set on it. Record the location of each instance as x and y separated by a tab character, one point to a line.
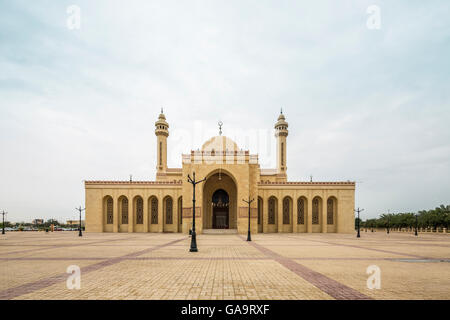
358	210
194	235
389	214
249	237
79	209
3	228
388	226
415	232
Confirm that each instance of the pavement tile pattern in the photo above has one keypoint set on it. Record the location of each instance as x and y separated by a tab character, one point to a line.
273	266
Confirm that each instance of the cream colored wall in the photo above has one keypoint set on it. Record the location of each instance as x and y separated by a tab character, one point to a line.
346	215
96	213
254	178
343	221
245	179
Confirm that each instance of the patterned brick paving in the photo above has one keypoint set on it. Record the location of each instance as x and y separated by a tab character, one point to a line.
333	288
373	249
47	247
37	285
272	266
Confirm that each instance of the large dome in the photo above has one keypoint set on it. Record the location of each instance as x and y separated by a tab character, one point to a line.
220	143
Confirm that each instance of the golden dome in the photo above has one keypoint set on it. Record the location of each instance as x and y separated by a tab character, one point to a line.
220	143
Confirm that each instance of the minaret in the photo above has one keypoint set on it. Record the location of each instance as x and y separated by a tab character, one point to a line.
281	132
161	132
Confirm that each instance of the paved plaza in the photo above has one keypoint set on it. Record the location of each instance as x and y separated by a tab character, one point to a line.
272	266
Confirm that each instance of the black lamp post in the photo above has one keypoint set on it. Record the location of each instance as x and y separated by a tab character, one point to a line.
388	226
415	232
358	210
249	237
389	213
194	235
80	210
3	229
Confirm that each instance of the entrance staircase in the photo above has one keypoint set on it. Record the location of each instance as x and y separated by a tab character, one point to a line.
219	231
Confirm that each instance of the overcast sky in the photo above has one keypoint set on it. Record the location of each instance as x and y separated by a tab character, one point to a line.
368	105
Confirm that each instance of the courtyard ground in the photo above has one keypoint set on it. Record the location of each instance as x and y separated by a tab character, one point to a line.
33	265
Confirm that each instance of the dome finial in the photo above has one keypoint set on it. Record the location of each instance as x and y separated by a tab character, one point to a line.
162	110
281	112
220	123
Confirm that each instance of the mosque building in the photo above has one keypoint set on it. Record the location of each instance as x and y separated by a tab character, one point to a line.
232	175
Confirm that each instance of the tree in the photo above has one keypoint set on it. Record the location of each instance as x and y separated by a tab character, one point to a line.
434	218
49	222
7	224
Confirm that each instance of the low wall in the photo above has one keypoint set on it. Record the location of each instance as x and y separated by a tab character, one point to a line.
422	230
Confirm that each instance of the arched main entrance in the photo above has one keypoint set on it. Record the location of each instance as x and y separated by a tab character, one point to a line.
220	205
219	201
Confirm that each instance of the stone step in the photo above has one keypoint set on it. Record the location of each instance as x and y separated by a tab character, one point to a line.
219	231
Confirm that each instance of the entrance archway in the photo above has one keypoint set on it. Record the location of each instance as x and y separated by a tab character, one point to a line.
219	201
220	205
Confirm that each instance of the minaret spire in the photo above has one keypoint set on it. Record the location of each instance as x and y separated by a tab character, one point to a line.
161	132
281	133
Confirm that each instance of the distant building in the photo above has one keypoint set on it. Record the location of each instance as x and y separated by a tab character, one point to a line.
38	221
75	222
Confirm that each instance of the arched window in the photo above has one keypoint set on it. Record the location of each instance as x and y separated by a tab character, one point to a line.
330	211
286	210
154	210
272	208
260	204
124	211
109	211
301	211
139	211
180	210
315	211
169	210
